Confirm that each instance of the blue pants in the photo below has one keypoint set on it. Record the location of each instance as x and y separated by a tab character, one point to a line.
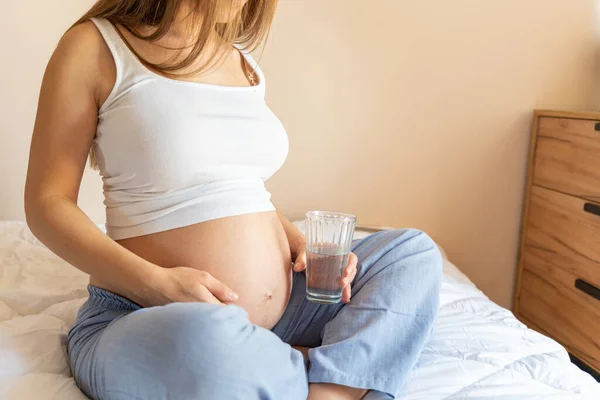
198	351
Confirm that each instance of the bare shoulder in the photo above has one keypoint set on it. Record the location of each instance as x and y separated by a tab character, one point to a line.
82	42
83	56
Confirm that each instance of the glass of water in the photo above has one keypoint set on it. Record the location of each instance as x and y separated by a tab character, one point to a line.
328	244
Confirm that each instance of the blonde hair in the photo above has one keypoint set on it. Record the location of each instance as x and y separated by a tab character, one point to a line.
247	29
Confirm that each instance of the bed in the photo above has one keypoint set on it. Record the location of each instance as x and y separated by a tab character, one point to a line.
478	350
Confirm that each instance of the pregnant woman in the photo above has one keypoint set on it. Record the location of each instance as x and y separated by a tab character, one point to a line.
197	290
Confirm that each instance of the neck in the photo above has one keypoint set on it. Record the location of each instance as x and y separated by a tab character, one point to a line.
187	21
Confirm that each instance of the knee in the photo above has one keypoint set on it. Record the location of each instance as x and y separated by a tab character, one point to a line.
418	240
426	250
415	268
414	250
411	242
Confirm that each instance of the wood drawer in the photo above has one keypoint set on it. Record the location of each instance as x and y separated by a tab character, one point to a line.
567	156
549	299
561	232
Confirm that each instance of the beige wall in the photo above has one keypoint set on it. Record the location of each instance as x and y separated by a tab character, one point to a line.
406	113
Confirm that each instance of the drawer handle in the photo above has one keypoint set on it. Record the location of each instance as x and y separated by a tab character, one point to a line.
592	208
588	288
597	126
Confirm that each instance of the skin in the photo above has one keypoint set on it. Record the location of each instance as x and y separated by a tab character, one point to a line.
243	259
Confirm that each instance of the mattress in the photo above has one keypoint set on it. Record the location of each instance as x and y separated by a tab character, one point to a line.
477	350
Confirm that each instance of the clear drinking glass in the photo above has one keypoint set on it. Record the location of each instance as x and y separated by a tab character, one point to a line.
328	241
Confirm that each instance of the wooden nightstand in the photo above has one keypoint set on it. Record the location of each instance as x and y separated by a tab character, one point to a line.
558	280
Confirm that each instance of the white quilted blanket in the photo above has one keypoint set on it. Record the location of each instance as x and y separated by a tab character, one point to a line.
478	350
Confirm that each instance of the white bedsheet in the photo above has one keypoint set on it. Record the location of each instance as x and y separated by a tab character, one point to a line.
478	350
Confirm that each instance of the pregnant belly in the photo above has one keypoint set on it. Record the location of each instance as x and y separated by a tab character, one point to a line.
249	253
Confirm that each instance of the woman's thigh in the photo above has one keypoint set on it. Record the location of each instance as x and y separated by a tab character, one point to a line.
186	351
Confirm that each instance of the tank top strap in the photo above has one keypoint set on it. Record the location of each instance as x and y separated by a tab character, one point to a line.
125	61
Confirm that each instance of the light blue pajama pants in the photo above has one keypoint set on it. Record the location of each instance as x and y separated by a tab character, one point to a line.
201	351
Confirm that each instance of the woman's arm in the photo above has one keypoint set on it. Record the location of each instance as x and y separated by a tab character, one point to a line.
71	92
63	134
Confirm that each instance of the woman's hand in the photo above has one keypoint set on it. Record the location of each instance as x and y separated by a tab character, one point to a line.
184	285
347	278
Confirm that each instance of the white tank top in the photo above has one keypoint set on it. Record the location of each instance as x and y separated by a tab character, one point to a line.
174	153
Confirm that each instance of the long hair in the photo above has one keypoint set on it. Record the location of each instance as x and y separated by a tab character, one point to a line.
247	29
